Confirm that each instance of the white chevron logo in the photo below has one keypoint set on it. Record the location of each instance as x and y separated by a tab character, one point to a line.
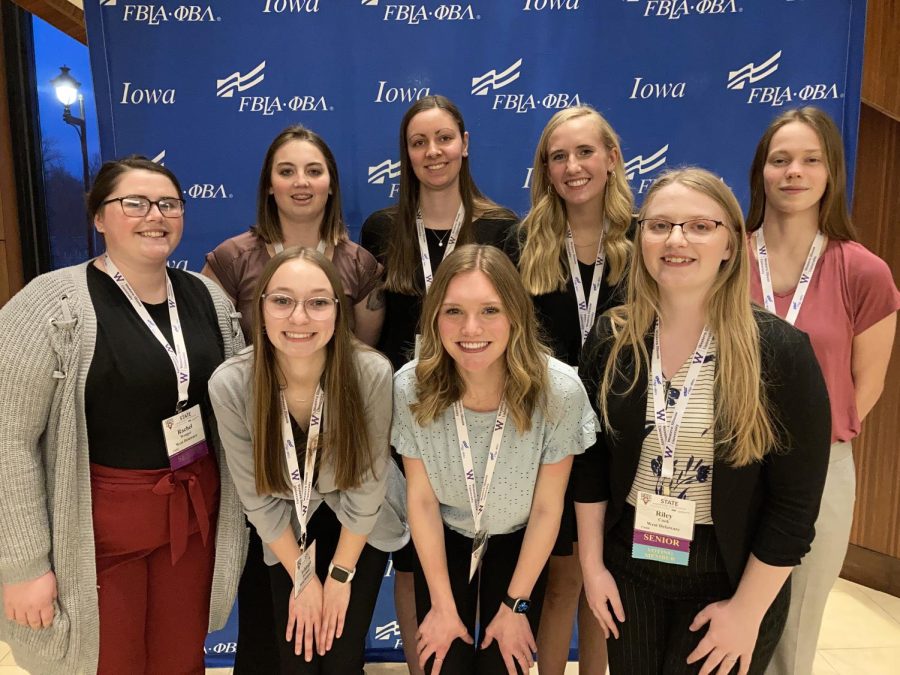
493	79
387	631
640	165
225	88
370	3
160	158
387	169
752	73
108	3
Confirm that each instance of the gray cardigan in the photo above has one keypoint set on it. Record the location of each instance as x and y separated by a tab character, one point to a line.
47	336
376	508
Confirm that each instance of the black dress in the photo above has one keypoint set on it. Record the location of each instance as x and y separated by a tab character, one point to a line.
557	315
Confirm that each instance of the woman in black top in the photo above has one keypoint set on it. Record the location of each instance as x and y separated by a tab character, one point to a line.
572	251
702	494
440	206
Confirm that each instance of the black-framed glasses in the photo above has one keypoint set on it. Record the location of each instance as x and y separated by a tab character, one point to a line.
281	306
696	229
139	206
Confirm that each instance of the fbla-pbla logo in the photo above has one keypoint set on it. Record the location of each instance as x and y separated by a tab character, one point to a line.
266	105
640	165
388	631
155	15
226	87
418	13
518	102
494	80
676	9
385	171
777	95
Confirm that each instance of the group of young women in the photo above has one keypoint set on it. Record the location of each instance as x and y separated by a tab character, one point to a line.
441	379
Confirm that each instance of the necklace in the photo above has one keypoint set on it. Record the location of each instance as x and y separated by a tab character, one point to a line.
441	240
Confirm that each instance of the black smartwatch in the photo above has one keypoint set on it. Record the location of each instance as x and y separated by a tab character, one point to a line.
517	605
340	574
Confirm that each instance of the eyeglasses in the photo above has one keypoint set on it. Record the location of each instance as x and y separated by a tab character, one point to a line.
280	306
696	230
138	206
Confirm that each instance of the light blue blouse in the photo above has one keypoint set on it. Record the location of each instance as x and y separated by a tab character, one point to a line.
568	428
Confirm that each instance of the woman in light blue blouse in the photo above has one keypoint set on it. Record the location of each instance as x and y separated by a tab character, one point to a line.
485	494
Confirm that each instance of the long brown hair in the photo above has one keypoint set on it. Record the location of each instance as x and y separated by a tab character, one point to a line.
333	230
742	420
834	217
543	263
402	259
345	441
438	382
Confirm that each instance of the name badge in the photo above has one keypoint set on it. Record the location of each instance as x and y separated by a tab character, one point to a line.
479	546
663	528
305	568
185	438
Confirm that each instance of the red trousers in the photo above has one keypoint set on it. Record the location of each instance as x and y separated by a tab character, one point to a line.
155	543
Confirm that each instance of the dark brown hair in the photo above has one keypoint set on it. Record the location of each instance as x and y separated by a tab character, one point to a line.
268	225
345	441
402	250
834	218
107	179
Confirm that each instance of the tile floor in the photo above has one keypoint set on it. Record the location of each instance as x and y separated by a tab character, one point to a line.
860	636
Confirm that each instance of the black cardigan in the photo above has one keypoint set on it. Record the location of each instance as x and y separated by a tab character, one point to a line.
767	508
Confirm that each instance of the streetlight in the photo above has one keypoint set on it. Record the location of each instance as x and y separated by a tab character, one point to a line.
68	91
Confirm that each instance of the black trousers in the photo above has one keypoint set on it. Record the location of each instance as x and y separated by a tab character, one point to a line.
481	598
257	650
661	601
347	654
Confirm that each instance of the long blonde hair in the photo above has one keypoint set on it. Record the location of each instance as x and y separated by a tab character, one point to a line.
742	418
543	263
345	440
438	382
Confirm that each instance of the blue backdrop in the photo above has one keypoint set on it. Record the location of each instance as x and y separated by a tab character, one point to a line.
204	88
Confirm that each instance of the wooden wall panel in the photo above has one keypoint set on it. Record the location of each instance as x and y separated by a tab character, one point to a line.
11	279
882	57
876	212
61	14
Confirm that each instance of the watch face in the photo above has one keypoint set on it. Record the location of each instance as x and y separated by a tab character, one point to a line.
339	575
522	606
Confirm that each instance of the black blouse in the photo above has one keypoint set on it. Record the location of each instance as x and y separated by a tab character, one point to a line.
131	386
401	318
557	311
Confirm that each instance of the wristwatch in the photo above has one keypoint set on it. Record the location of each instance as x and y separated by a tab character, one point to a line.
340	574
517	605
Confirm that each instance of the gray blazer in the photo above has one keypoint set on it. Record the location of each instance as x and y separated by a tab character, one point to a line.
377	508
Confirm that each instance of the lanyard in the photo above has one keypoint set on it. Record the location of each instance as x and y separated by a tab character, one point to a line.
465	450
666	432
423	243
765	275
279	247
587	309
302	489
178	354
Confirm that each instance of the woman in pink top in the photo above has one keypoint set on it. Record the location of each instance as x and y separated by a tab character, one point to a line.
809	269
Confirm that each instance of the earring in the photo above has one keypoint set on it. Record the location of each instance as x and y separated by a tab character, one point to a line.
612	174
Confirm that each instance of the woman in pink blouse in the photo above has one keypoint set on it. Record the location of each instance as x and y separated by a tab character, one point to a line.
808	267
